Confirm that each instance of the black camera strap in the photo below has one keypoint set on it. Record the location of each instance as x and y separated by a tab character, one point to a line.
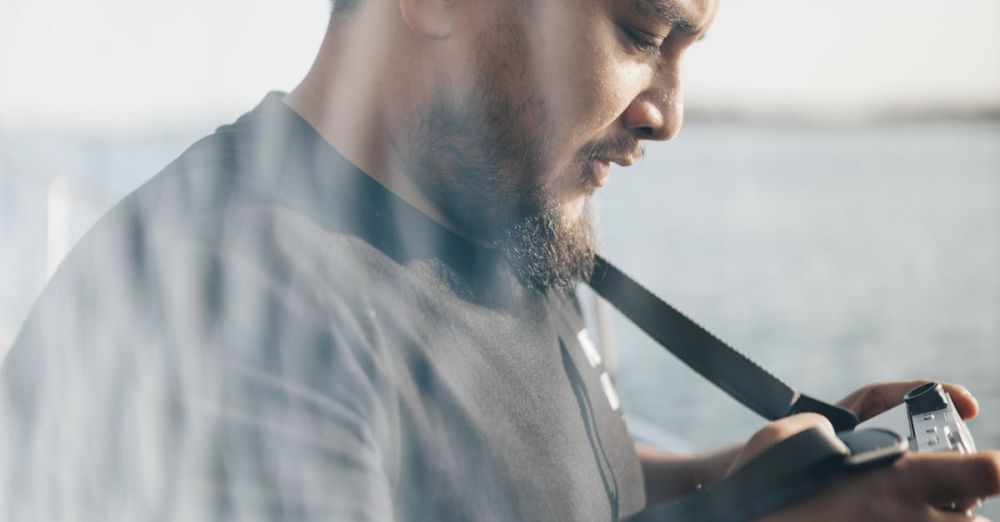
705	353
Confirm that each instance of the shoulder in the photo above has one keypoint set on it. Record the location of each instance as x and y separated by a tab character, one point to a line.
209	258
209	300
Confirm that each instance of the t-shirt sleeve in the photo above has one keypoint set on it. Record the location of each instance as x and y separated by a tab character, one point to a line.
162	379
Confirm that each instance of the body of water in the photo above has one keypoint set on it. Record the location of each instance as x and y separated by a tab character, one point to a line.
835	257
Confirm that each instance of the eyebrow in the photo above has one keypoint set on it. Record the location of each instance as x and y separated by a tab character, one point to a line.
668	12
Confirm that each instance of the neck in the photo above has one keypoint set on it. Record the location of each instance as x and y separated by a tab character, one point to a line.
345	99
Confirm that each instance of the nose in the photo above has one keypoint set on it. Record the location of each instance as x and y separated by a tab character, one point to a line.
657	112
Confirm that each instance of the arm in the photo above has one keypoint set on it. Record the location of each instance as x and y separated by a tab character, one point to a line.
668	475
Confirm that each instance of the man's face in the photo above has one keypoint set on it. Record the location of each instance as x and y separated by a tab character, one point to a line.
562	89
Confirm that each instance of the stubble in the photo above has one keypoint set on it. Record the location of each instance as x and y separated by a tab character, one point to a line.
482	158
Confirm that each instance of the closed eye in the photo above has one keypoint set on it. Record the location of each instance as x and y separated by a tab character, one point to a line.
642	41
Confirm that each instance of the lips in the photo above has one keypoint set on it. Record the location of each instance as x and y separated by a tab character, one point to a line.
624	161
601	168
601	172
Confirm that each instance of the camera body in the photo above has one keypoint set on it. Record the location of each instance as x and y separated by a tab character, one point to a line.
930	418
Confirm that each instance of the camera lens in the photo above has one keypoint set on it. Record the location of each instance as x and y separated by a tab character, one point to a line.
925	398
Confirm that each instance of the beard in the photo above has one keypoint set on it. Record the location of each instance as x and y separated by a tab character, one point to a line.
545	253
492	185
481	157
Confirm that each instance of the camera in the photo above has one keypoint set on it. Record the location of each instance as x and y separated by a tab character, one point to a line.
930	418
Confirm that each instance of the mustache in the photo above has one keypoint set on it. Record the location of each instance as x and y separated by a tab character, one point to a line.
627	146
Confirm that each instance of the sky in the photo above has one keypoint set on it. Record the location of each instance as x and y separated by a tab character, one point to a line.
122	64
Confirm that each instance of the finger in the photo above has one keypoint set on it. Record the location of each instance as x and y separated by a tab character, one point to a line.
879	397
965	402
943	478
782	429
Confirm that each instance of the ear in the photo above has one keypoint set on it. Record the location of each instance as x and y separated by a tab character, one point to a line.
429	18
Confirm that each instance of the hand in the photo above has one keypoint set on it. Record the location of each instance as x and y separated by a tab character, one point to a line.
776	432
876	398
912	489
907	490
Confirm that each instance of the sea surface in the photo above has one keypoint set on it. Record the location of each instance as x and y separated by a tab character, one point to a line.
834	256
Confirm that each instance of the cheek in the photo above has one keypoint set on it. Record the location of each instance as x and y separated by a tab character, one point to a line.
563	59
584	77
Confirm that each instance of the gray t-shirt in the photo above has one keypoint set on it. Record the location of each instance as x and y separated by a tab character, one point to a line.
262	332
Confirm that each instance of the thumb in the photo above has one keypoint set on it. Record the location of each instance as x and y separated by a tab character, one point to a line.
776	432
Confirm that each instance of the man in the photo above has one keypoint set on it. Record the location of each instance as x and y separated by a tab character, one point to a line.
354	302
